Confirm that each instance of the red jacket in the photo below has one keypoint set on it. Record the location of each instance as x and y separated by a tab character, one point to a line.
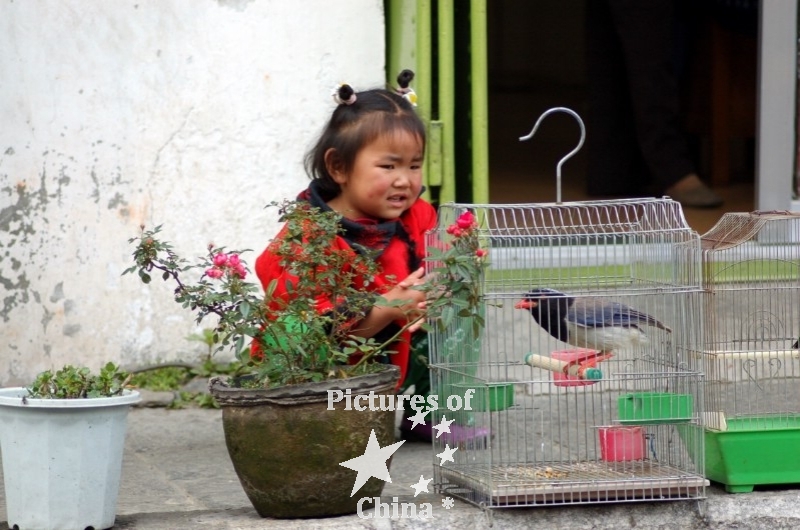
395	263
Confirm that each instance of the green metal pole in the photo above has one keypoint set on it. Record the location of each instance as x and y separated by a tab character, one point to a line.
480	103
423	82
447	90
401	38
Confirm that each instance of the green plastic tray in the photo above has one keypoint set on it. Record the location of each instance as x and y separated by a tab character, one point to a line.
655	407
754	451
490	397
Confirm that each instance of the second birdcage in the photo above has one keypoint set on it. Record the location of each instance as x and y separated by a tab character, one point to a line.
582	384
751	264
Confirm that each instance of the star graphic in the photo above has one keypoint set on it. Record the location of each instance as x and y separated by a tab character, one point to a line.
446	455
421	486
418	418
372	463
443	427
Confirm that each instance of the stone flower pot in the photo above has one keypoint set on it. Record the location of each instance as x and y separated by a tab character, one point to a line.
286	446
62	459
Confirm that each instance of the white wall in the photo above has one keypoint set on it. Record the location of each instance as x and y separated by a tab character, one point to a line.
193	114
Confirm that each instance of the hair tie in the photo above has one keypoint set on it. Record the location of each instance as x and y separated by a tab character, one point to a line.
344	94
404	78
409	95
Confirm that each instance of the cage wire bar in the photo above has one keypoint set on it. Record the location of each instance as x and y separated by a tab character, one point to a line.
634	432
751	272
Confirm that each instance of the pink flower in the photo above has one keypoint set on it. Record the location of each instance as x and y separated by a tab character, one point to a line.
239	270
233	260
214	273
481	252
466	220
221	259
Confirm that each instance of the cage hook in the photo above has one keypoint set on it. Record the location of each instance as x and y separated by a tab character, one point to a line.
568	155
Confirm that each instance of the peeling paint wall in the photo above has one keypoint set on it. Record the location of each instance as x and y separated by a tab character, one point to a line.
187	113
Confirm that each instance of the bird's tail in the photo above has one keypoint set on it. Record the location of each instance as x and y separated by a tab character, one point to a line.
649	320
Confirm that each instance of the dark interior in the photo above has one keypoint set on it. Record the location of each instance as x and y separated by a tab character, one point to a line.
537	60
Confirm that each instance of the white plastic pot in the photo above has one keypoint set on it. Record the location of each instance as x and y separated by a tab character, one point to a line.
62	459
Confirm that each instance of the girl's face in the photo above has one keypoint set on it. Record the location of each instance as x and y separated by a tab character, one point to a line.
385	181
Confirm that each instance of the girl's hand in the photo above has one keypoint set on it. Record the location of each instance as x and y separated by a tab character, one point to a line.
415	278
420	317
404	301
412	300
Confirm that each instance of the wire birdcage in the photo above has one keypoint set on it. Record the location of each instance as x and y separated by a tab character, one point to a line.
576	419
751	272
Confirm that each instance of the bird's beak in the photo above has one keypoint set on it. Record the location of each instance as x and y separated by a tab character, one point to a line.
526	304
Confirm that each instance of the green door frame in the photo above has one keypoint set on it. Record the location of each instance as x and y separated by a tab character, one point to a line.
444	42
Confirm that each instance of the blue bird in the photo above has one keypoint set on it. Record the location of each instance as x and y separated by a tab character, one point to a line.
588	323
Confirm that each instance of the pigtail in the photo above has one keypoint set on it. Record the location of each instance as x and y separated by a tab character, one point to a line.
344	94
404	79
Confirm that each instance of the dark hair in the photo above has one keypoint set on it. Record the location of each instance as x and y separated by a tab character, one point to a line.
404	78
355	124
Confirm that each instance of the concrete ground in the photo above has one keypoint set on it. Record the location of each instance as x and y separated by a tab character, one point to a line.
177	475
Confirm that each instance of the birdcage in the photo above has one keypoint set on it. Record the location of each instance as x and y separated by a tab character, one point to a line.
576	418
751	272
583	376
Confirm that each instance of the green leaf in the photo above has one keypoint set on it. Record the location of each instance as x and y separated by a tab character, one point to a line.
271	288
460	302
448	314
434	254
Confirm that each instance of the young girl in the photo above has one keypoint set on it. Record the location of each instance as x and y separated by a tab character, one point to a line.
366	166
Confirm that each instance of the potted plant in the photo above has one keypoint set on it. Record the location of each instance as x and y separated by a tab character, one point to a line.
285	441
62	440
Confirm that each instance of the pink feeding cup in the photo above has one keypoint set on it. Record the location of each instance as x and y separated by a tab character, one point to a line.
621	444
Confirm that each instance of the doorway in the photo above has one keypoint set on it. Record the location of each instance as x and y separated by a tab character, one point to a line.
536	60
